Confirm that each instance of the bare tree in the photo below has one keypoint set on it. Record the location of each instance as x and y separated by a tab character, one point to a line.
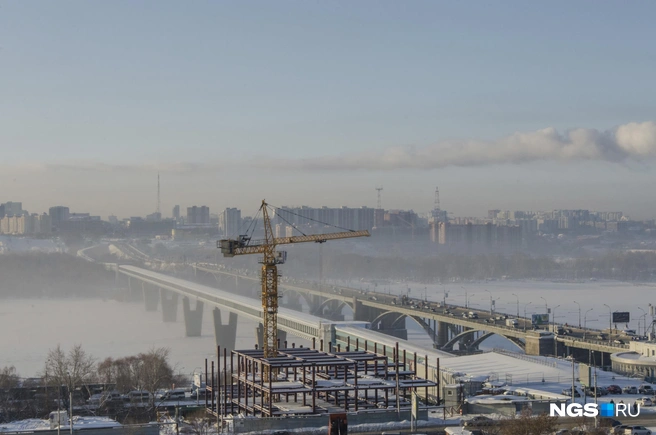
155	371
73	369
9	378
528	424
199	423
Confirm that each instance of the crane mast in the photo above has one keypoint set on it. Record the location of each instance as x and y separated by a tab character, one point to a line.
243	245
269	289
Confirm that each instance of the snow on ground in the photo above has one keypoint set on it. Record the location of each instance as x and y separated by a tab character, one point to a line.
78	422
511	368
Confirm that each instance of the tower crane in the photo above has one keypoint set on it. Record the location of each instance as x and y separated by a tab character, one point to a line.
243	245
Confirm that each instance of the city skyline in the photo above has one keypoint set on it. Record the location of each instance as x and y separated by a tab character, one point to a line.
502	105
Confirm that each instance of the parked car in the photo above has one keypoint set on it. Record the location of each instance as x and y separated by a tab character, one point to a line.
177	394
568	392
479	421
619	341
637	430
138	396
630	390
614	389
601	391
644	401
646	389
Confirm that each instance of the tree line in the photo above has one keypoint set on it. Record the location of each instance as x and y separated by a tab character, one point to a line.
77	372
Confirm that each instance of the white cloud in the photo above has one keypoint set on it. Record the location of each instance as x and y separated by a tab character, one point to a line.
633	141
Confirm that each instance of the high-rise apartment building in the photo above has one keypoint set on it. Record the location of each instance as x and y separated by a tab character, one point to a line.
230	222
198	215
59	214
176	212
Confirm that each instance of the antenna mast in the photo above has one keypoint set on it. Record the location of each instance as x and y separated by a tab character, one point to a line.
380	203
158	197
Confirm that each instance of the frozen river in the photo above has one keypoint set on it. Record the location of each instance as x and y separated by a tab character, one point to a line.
28	328
537	296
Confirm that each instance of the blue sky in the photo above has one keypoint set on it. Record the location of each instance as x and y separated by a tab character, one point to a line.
231	100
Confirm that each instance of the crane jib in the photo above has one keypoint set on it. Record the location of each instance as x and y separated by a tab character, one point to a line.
244	245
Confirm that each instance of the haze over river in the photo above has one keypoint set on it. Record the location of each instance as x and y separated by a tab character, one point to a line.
111	328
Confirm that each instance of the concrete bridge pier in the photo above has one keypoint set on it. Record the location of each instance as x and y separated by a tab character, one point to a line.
225	335
169	301
314	302
135	293
293	301
193	318
539	345
150	297
333	310
442	334
259	334
256	291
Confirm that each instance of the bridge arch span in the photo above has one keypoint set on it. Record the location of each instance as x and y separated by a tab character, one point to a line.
341	304
471	333
402	316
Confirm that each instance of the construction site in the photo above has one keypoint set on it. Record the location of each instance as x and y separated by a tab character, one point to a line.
274	381
310	382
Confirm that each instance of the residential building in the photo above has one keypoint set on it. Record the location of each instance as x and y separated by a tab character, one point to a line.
59	214
198	215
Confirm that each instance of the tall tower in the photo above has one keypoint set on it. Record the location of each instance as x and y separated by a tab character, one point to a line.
379	213
158	197
379	205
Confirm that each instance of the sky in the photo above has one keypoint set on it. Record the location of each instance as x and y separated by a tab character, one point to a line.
508	104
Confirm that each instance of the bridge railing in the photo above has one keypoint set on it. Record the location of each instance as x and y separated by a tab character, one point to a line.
589	341
526	358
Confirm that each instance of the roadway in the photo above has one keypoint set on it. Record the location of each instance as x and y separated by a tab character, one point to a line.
476	319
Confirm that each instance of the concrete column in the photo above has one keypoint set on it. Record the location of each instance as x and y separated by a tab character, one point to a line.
537	345
150	297
259	335
442	334
359	311
293	301
169	301
225	335
282	336
332	311
193	318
